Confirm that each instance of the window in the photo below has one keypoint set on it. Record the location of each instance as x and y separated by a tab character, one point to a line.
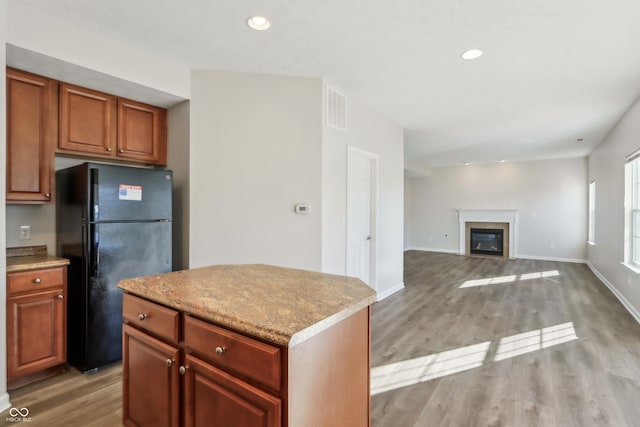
632	210
592	212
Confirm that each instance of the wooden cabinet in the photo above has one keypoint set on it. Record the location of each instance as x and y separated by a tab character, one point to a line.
151	383
102	125
31	134
36	322
87	121
141	132
233	380
213	394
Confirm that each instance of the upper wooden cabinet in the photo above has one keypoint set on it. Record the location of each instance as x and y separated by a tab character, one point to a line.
141	132
31	133
103	125
87	120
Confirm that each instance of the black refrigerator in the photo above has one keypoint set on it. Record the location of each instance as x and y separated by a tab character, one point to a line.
113	223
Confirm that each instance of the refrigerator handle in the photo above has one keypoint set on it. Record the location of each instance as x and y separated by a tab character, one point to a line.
94	201
94	250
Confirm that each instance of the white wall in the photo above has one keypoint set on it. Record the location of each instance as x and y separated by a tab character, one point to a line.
374	133
606	167
178	124
4	397
256	151
407	213
550	196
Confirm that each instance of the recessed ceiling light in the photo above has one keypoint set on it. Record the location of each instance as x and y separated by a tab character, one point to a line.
466	163
501	161
471	54
258	23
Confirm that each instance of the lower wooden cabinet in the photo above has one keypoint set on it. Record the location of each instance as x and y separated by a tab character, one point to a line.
36	322
151	381
212	394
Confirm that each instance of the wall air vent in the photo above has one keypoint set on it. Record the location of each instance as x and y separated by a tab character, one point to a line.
336	109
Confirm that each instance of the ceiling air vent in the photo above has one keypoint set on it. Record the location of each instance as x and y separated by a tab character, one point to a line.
336	109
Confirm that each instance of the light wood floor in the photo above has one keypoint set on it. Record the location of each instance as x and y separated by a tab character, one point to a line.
424	334
513	340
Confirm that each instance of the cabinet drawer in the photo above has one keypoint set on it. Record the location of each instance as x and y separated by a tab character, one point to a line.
159	320
237	353
35	280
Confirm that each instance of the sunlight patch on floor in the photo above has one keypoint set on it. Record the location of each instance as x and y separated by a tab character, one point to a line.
509	279
527	342
424	368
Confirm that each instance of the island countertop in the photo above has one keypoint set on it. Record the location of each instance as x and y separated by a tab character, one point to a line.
281	305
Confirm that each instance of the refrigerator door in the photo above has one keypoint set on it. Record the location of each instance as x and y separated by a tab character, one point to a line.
121	251
121	193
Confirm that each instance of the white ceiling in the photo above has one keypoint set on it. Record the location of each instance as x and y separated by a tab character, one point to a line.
552	71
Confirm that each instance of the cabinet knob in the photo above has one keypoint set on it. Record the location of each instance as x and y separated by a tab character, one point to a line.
60	296
37	280
183	370
47	195
220	351
121	151
169	362
108	148
142	316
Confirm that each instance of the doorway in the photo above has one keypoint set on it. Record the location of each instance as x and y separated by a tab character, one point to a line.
362	173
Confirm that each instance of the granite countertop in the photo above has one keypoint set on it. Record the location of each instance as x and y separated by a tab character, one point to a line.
31	258
281	305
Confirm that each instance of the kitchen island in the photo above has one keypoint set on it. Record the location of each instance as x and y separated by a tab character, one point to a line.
244	345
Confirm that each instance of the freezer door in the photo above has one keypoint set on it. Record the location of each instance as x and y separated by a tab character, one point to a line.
122	251
121	193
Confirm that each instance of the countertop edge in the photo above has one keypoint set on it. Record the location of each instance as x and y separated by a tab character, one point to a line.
315	329
37	265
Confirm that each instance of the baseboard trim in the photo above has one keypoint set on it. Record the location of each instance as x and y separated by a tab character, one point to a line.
4	402
630	308
390	291
548	258
444	251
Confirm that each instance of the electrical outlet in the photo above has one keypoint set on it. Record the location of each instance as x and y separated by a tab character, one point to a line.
25	232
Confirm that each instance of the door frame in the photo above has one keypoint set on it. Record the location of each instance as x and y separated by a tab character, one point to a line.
375	160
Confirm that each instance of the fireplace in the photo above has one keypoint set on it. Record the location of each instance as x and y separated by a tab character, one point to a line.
486	241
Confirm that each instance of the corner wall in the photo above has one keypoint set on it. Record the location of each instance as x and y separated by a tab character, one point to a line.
606	167
550	196
178	123
256	152
373	133
4	396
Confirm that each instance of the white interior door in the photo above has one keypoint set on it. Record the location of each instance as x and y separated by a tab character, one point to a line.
360	214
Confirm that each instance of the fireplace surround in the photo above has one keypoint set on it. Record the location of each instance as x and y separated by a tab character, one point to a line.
488	219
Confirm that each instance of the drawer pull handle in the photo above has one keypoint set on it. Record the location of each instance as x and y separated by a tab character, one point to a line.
37	280
183	370
60	296
220	351
142	316
169	362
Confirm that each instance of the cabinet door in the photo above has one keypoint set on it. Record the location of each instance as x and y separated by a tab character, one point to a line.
151	387
31	133
141	132
87	121
36	331
215	398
